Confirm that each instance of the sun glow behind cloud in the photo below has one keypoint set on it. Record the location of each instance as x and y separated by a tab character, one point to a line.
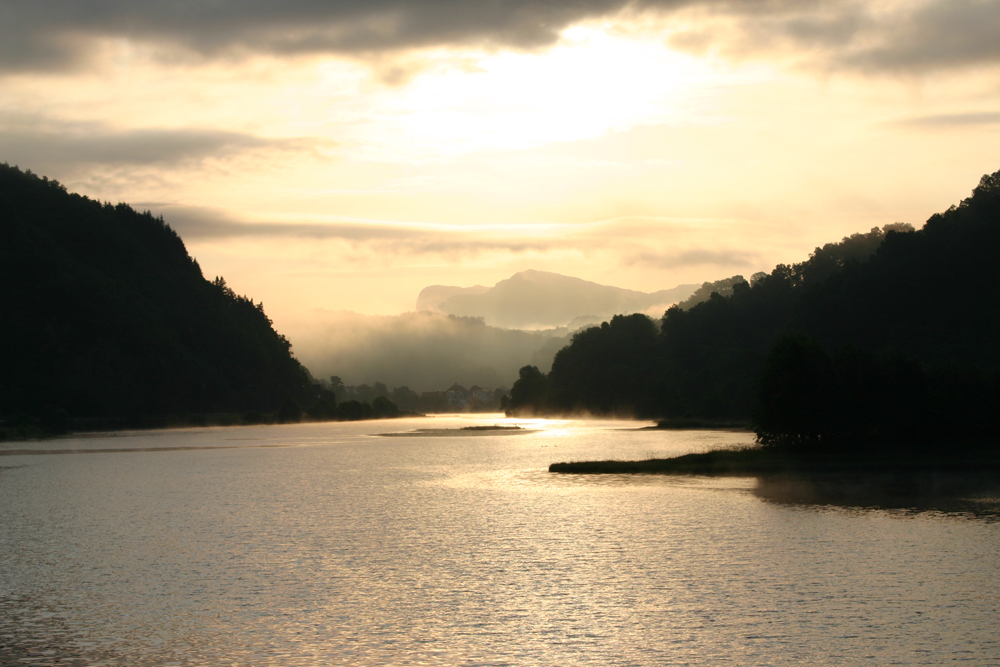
454	103
640	150
592	83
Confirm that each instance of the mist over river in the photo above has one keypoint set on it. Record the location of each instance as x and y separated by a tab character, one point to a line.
330	544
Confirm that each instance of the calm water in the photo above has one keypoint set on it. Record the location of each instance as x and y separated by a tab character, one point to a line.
331	544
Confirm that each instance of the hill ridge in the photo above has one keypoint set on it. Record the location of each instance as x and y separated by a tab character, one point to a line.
533	299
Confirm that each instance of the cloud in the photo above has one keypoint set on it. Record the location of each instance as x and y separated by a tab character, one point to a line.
45	34
862	36
196	223
951	120
873	36
627	240
939	34
37	143
698	257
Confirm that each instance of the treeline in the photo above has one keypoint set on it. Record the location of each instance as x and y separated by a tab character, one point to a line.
454	399
855	397
890	334
106	319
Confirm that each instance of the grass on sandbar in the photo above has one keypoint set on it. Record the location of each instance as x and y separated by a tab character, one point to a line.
755	460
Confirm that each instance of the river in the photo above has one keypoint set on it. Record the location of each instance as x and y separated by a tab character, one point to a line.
336	544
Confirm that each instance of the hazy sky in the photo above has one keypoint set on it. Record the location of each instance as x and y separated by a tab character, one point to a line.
343	154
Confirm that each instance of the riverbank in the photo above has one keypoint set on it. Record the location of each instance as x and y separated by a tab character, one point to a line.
755	461
24	428
683	424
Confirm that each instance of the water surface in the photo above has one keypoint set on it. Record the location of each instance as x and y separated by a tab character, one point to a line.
331	544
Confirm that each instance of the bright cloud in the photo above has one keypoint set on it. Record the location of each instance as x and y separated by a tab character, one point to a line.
345	155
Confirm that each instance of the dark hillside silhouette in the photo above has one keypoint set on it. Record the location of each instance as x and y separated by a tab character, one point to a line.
606	367
105	315
890	335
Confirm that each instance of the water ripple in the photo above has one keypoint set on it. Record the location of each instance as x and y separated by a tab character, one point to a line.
341	548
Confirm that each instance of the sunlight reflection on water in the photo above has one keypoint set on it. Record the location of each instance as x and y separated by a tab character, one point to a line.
324	544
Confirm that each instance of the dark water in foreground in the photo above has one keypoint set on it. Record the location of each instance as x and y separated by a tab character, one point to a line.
329	545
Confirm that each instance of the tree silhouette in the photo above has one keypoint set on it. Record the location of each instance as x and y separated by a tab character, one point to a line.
798	395
105	315
885	337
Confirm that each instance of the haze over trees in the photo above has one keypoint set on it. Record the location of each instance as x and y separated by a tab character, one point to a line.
889	335
108	320
423	351
431	349
105	315
886	335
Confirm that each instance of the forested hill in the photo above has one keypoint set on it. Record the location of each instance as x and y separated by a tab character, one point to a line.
104	314
902	320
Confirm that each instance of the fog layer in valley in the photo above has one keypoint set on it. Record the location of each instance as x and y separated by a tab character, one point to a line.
423	351
471	335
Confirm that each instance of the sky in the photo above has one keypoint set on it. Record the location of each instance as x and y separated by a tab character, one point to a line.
342	155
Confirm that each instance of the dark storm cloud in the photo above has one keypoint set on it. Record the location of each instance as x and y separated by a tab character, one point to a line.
38	144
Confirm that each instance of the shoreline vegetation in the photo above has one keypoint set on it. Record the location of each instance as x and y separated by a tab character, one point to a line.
877	356
878	352
24	427
753	461
109	320
881	347
691	424
110	324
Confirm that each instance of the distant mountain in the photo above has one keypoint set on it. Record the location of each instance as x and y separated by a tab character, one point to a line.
539	299
104	314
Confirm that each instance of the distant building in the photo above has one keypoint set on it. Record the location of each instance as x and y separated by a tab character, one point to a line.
458	397
482	400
